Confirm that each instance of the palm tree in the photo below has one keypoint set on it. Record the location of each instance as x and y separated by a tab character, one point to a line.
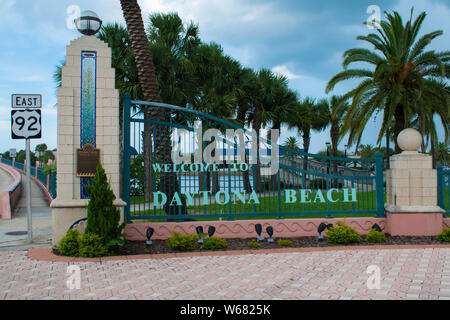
337	109
291	143
442	153
366	151
308	116
173	46
150	92
401	68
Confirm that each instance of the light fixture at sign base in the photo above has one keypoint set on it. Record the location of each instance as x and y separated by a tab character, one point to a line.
377	227
270	233
200	233
211	231
149	234
321	229
258	229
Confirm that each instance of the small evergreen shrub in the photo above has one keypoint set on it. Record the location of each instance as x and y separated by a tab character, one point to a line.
70	243
285	243
103	216
341	233
177	241
444	236
214	243
254	244
91	246
375	236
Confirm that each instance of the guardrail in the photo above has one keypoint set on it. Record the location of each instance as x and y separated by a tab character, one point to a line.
10	195
46	182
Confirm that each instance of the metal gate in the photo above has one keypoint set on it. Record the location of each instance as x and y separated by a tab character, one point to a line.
238	185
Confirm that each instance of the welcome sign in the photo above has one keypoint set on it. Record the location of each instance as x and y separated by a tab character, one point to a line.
223	197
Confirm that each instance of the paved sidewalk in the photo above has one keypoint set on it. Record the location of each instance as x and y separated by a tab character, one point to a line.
405	274
41	221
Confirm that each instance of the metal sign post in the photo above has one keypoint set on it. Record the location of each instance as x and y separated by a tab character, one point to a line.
26	124
28	182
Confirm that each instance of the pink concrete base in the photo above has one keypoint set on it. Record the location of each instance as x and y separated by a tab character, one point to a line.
245	229
414	224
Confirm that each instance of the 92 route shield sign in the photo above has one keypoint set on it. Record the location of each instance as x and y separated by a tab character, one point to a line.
26	124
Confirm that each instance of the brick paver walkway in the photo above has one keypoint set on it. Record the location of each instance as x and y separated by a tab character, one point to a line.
405	274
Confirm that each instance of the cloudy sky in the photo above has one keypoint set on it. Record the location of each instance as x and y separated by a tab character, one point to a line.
303	40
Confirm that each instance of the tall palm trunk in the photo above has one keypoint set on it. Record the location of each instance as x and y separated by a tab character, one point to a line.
306	142
147	79
334	135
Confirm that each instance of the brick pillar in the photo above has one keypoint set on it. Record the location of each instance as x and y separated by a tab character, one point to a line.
411	207
103	128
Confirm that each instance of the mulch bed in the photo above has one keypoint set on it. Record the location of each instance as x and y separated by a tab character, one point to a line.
160	247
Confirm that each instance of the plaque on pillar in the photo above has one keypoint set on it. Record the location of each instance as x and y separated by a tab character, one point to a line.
88	158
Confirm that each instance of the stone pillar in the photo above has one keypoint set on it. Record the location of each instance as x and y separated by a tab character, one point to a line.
411	207
99	100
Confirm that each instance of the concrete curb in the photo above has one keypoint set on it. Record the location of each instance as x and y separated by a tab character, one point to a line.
46	254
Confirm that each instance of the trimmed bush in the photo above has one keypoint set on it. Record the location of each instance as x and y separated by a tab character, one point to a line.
285	243
69	244
91	246
444	236
375	236
341	233
214	243
103	216
254	244
177	241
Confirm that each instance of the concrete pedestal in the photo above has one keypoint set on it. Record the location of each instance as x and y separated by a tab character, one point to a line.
411	207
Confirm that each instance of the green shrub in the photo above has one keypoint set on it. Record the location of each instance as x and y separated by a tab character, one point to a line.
214	243
254	244
177	241
343	234
375	236
69	244
91	246
103	216
444	236
285	243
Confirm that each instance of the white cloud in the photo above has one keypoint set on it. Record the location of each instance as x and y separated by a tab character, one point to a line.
283	70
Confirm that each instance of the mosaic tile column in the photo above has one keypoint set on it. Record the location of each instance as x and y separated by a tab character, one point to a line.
88	107
88	113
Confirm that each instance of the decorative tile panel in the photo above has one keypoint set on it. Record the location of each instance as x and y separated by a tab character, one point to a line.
88	107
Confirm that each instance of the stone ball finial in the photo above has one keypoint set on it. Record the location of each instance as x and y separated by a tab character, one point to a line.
409	140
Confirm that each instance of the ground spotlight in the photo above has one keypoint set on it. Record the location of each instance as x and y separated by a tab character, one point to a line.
258	229
377	227
200	233
211	231
149	234
270	233
321	229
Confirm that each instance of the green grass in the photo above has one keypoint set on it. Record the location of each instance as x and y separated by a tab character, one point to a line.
269	208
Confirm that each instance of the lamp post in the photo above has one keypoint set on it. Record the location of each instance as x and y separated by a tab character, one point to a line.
88	23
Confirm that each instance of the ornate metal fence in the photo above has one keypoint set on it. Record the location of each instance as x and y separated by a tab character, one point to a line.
305	185
444	188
